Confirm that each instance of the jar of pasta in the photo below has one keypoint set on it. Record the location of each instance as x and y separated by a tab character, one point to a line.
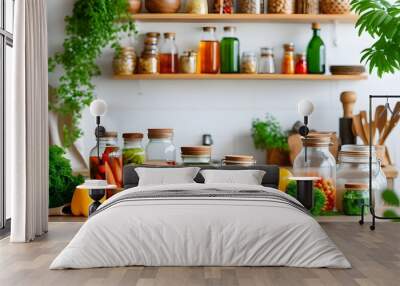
249	63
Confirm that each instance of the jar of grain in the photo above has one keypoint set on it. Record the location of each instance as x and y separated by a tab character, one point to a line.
197	7
307	6
188	62
249	6
124	62
281	6
149	63
249	63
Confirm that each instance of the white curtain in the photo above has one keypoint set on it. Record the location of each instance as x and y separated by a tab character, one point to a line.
27	122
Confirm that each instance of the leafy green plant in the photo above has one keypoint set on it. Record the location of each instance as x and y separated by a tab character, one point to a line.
381	20
61	181
92	26
319	197
268	134
390	198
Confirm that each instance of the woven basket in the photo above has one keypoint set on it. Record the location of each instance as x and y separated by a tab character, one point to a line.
335	6
281	6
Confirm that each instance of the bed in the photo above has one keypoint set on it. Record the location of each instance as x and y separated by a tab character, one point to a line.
199	224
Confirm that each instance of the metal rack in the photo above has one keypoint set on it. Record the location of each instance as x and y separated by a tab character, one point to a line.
371	204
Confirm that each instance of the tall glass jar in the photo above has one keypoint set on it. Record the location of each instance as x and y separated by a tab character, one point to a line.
354	167
209	52
230	51
288	62
105	162
161	150
267	61
169	59
315	160
133	151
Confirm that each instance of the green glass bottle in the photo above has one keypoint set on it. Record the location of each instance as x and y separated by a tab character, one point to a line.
230	52
316	53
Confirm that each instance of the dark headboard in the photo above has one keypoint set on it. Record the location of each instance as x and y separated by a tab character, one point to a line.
271	177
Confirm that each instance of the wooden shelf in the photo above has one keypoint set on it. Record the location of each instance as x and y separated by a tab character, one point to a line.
239	77
250	18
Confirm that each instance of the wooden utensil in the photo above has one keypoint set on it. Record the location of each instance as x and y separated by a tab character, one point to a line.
348	99
380	118
392	123
364	124
358	128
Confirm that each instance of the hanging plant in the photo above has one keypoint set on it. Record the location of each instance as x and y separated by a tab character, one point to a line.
93	26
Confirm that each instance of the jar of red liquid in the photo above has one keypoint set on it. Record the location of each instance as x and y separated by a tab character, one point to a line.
169	59
106	161
160	150
301	64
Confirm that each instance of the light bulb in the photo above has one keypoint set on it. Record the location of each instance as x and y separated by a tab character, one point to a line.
98	107
305	107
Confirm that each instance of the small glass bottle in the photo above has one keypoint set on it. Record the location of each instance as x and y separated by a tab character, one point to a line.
133	151
316	57
267	61
105	161
249	63
161	150
169	59
288	64
301	64
230	51
209	52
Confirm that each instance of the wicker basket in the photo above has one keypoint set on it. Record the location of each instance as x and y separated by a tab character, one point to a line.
281	6
307	6
335	6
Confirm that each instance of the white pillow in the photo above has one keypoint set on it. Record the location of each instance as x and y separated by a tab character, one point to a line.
248	177
166	176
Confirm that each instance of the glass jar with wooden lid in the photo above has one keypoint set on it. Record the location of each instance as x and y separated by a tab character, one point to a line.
124	62
238	160
188	62
281	6
149	62
209	51
133	151
161	150
315	160
196	155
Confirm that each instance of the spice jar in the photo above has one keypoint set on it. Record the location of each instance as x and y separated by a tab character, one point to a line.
105	161
288	64
249	63
169	59
354	167
223	6
249	6
355	199
281	6
149	63
161	149
307	6
133	151
301	64
315	160
197	7
267	61
188	62
124	62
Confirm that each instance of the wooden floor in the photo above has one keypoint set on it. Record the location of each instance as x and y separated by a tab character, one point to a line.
375	257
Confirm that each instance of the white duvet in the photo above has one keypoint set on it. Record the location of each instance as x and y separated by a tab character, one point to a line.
200	232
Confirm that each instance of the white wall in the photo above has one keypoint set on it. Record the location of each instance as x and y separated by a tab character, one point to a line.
226	108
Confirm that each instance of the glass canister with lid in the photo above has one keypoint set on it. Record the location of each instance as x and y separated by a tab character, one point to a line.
354	167
355	199
315	160
161	150
133	151
105	162
267	61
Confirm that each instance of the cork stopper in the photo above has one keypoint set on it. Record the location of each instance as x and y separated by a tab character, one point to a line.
316	26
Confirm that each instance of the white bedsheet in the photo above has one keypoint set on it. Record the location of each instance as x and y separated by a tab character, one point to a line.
200	232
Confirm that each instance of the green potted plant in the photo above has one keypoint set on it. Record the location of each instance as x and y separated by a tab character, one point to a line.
268	135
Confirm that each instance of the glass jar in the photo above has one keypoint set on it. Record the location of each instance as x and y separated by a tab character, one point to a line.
301	64
149	63
196	155
230	51
197	7
249	63
307	7
281	6
161	150
354	166
169	59
267	61
188	62
249	6
124	63
288	64
133	151
315	160
223	6
209	52
105	162
355	199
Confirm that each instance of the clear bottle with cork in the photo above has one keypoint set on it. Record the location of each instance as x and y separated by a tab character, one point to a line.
288	62
169	58
209	52
316	53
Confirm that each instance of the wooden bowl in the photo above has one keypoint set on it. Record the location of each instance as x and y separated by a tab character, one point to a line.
347	70
162	6
134	6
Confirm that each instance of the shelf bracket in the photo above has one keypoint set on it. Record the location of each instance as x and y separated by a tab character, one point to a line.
335	38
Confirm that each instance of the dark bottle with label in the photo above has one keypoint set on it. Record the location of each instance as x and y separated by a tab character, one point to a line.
230	51
316	53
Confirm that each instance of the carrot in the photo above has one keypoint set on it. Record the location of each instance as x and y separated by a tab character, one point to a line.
109	174
116	168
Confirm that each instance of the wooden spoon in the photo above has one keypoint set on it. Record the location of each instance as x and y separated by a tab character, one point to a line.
380	118
359	130
364	124
392	123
